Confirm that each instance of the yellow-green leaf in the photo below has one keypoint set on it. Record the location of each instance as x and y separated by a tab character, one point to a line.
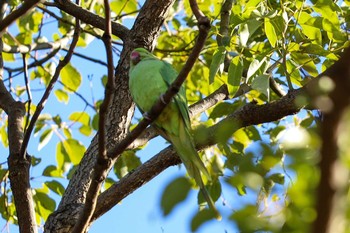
71	78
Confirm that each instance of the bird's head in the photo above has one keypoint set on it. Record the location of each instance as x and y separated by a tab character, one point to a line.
139	54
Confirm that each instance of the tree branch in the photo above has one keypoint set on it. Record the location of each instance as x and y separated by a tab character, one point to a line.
18	167
38	46
339	72
14	15
103	162
90	18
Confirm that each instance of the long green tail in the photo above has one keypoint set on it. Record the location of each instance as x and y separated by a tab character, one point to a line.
184	146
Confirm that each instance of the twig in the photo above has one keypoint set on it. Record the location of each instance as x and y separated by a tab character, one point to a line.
29	94
33	64
88	58
24	8
103	162
79	95
49	88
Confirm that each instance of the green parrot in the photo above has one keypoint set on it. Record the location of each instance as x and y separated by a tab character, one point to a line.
149	78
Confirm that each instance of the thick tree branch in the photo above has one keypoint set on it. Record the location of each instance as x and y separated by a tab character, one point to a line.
338	100
103	162
90	18
18	167
24	8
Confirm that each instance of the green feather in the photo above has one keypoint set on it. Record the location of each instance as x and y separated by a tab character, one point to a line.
149	78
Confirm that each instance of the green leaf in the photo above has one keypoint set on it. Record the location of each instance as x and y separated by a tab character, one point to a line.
4	136
256	66
35	161
174	193
126	163
52	171
223	109
45	138
95	120
235	71
278	178
214	190
62	96
81	117
74	149
262	84
44	204
62	157
217	61
70	78
85	130
270	32
247	29
313	33
55	186
200	218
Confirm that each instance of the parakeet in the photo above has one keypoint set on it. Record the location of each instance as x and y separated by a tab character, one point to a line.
149	78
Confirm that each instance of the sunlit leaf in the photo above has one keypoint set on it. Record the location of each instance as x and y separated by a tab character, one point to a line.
45	138
74	149
218	59
126	163
55	186
62	96
235	71
71	78
261	83
52	171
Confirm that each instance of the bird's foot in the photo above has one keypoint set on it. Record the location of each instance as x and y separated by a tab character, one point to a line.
162	99
146	116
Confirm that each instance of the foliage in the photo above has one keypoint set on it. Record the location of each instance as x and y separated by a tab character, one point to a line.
270	168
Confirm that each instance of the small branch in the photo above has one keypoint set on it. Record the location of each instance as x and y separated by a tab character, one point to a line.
14	15
88	58
38	46
49	88
90	18
29	94
36	63
103	162
79	95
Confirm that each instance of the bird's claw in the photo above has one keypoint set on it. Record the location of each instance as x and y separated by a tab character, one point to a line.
146	116
162	99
